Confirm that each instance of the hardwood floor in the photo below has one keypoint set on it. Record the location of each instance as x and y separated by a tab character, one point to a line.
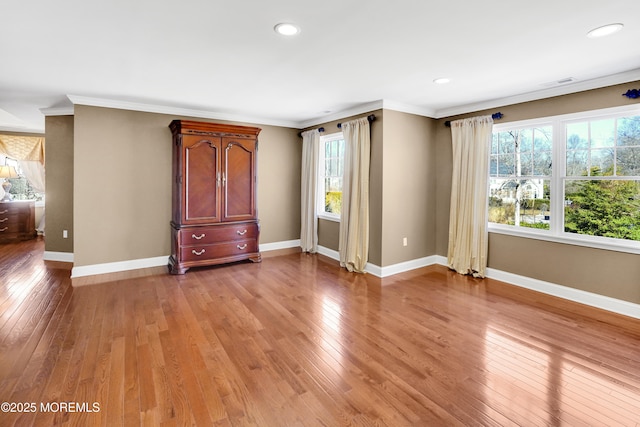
295	341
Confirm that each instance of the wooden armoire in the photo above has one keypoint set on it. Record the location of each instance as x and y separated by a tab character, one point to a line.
214	218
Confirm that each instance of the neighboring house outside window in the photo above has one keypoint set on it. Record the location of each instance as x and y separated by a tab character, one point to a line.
573	178
331	170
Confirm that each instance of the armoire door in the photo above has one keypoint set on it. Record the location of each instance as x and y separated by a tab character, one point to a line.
239	180
202	179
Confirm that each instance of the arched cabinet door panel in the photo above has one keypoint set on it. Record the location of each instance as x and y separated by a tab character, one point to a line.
239	180
214	212
201	166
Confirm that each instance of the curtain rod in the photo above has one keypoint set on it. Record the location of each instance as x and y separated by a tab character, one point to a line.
370	117
494	116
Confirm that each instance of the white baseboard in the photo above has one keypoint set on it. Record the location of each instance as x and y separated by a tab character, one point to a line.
401	267
387	271
329	253
58	256
135	264
583	297
115	267
266	247
442	260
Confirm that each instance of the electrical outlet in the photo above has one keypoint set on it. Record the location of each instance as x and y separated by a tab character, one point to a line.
65	234
404	241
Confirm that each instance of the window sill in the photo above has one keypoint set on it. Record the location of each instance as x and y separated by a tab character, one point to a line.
329	217
630	246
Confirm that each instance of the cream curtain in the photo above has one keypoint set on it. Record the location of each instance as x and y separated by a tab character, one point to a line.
309	187
23	147
34	172
353	245
468	239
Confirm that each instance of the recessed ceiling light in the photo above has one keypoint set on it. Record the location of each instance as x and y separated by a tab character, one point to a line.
442	81
287	29
605	30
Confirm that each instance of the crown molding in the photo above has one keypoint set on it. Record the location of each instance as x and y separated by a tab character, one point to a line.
177	111
381	104
161	109
578	86
58	111
20	129
408	108
353	111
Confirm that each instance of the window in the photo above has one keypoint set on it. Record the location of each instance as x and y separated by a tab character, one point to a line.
520	177
21	189
330	180
602	183
573	178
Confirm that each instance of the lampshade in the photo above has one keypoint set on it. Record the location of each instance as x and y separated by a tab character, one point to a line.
7	171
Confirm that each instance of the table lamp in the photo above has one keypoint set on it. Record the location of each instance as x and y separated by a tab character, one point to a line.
7	172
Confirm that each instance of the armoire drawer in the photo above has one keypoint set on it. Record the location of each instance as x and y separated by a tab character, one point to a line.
218	250
11	227
17	221
218	233
11	220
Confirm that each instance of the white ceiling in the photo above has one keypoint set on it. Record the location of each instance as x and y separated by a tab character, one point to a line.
223	57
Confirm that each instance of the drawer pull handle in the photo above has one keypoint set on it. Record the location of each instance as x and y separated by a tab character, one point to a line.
241	233
4	229
241	247
198	237
193	251
4	219
4	211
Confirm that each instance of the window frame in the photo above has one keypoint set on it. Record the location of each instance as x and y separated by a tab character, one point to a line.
556	232
320	202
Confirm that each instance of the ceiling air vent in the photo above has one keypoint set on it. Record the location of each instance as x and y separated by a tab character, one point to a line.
560	82
565	81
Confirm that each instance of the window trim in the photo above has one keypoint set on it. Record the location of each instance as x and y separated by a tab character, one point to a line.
321	213
556	231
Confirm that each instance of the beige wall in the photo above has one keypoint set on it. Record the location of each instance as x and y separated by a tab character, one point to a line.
409	189
443	171
328	233
608	273
122	191
279	166
376	188
59	183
